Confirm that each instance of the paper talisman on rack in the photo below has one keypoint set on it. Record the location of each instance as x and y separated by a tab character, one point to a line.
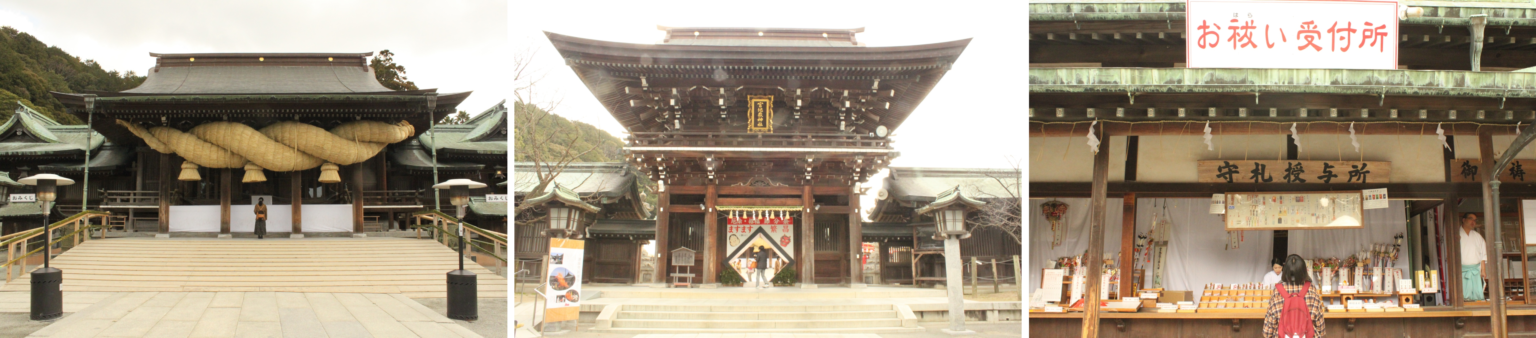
1294	210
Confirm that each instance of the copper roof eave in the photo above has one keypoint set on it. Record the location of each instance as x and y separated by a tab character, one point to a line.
183	55
570	44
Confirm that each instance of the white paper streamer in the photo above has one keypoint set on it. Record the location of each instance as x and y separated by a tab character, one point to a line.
1352	139
1093	141
1296	138
1208	145
1440	132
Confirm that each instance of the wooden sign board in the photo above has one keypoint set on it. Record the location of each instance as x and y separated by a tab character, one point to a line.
1295	172
1470	170
682	257
1295	210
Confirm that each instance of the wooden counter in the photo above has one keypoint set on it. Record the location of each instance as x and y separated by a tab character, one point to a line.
1432	322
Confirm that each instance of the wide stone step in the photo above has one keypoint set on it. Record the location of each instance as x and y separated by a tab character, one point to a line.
757	308
756	324
886	314
726	332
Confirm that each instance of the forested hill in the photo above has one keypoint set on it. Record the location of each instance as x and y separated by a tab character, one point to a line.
609	148
29	69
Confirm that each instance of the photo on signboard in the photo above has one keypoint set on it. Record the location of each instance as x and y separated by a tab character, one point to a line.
561	279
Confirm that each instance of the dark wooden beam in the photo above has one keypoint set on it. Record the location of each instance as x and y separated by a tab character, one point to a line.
855	239
759	202
757	191
807	239
224	199
296	192
663	219
357	198
1194	190
1127	245
1314	127
167	177
1095	255
711	231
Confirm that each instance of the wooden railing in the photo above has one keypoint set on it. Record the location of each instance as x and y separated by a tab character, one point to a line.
392	197
800	140
17	245
130	199
443	229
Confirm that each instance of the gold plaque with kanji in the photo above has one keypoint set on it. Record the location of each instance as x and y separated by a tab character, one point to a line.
760	113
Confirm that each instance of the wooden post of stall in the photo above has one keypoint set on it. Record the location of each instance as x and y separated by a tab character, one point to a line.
1491	230
808	239
855	240
165	195
357	200
226	190
663	221
1127	246
1450	231
1095	256
296	191
711	231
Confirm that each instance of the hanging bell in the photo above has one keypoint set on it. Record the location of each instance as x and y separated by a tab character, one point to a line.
328	173
189	172
253	174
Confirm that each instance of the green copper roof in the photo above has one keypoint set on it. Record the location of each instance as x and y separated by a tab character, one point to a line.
1314	81
474	136
557	192
5	180
411	156
949	198
21	210
1501	13
51	138
479	206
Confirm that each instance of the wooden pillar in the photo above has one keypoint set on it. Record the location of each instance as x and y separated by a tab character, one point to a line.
1095	255
1491	229
166	180
711	231
225	194
663	223
855	239
357	198
296	191
1127	246
1450	231
808	239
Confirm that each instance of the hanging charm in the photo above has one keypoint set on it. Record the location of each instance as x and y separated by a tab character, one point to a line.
1054	211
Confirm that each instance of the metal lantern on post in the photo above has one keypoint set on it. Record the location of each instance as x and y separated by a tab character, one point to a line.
563	220
948	210
47	300
461	283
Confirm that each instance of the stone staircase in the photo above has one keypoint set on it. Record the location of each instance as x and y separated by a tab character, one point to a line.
869	318
411	267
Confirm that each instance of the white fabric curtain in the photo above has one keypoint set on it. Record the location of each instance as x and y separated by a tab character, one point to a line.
1076	241
1197	253
1380	226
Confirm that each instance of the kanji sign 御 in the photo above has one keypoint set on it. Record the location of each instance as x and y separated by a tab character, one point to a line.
1470	170
1311	172
1305	34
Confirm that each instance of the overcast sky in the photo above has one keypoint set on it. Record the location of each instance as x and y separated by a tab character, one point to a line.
974	117
451	45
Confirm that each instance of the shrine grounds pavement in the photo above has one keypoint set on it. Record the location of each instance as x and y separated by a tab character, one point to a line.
931	330
248	314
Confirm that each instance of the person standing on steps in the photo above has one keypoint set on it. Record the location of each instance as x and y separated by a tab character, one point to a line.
761	256
261	218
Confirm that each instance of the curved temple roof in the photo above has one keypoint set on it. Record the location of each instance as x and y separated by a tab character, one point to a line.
609	69
251	73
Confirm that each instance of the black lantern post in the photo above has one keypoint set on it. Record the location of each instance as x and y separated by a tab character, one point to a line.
47	300
462	293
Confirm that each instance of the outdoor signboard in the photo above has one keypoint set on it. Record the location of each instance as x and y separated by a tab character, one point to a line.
23	198
563	294
1291	34
493	198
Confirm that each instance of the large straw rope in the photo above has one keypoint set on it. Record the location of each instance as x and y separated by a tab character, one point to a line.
283	146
